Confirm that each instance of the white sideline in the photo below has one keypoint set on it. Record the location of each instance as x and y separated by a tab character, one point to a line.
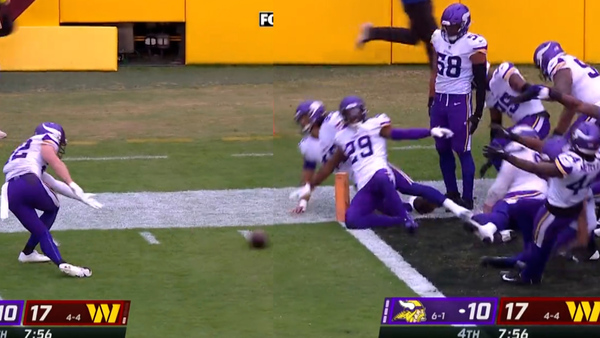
117	158
149	237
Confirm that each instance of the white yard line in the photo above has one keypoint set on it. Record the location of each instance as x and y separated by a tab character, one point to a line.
245	233
149	237
117	158
395	262
252	155
412	147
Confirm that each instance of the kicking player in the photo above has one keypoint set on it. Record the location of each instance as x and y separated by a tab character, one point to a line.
569	178
461	60
422	25
505	83
362	142
515	197
29	188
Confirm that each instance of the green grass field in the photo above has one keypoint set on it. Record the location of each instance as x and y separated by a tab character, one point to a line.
190	156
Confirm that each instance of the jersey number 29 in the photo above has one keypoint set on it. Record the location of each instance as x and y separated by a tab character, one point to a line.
363	144
449	66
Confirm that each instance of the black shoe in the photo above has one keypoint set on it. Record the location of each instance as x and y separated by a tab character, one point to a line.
467	204
455	197
515	278
498	262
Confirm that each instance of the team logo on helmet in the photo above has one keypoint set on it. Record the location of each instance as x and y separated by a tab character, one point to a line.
412	311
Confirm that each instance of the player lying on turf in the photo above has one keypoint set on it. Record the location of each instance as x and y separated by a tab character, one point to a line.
505	83
29	188
362	141
515	196
461	60
569	176
318	146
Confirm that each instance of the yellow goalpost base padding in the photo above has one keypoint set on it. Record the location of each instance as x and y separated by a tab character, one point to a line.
60	48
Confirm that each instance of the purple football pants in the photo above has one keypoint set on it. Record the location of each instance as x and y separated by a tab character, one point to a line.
26	194
378	194
452	111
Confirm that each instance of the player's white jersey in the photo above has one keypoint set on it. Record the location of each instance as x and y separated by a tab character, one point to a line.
365	148
500	95
573	187
455	69
27	158
586	79
320	150
521	179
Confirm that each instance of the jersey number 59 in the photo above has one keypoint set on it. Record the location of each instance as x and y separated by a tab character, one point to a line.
363	144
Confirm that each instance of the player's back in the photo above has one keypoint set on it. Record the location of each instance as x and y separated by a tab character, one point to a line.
523	180
573	187
586	79
501	93
27	158
365	148
455	69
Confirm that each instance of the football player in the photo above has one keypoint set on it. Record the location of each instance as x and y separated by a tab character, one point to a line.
461	60
6	22
515	196
29	188
422	25
569	178
362	142
505	83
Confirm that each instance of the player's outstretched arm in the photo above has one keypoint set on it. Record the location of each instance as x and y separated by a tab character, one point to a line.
573	104
328	168
541	169
398	134
518	83
60	168
529	142
563	81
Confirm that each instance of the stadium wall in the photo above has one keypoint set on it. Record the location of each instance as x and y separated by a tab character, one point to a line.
307	32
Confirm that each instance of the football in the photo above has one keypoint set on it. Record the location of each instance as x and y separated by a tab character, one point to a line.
258	239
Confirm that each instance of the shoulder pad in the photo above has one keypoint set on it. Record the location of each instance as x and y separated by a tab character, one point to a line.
436	36
506	69
381	119
555	65
477	42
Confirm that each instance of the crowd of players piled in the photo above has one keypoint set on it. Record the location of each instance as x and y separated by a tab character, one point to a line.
545	185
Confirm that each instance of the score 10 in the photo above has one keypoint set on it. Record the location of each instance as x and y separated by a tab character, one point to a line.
11	312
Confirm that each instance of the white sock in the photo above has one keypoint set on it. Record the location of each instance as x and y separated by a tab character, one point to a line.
453	207
411	201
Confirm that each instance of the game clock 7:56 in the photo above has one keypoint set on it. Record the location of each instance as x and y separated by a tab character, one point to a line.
38	333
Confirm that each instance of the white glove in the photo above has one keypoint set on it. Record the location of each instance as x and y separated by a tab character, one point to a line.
301	208
301	193
544	93
83	197
441	132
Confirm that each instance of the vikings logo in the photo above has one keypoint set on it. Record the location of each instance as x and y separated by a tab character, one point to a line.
412	312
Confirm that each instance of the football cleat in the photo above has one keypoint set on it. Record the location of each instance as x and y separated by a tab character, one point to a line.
595	256
2	134
484	232
34	257
75	271
364	35
517	279
505	236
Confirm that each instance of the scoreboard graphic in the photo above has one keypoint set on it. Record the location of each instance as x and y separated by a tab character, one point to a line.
490	317
63	319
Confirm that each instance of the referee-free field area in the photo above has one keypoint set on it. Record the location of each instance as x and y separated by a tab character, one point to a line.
185	160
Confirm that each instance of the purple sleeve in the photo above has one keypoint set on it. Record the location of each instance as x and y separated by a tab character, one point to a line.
410	134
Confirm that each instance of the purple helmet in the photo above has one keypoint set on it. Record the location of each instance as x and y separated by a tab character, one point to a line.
544	53
456	20
585	139
353	110
525	131
55	132
313	110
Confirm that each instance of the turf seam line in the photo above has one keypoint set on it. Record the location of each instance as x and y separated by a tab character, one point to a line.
252	155
413	147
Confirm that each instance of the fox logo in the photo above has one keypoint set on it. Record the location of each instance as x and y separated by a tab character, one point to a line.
586	310
103	312
413	312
